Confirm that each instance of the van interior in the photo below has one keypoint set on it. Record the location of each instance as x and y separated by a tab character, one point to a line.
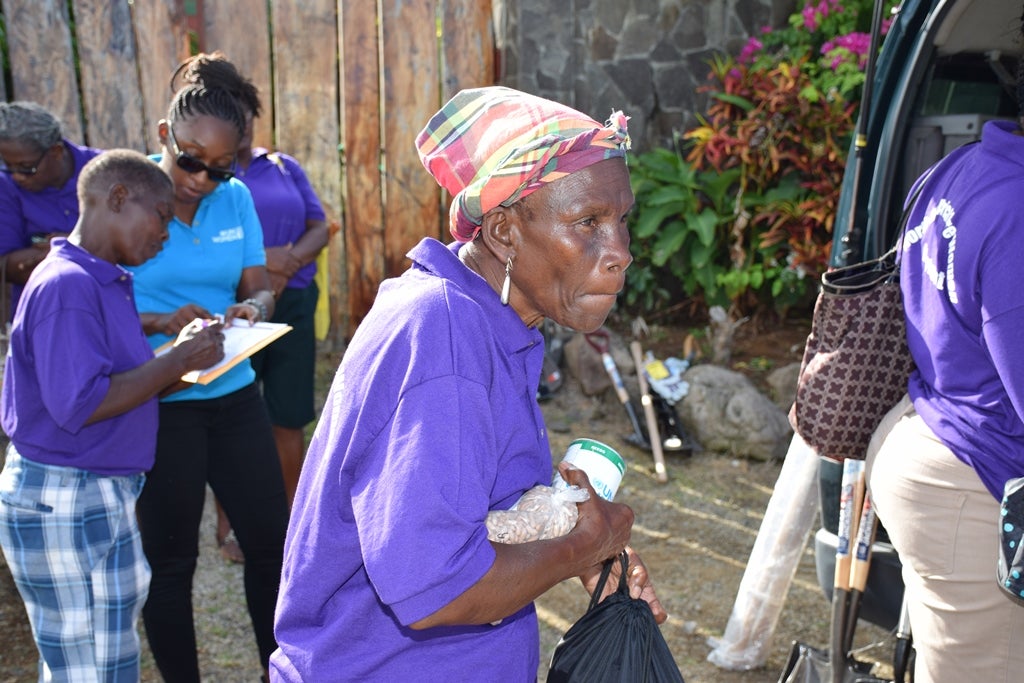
961	74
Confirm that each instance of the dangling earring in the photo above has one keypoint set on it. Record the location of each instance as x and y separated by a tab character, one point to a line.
506	286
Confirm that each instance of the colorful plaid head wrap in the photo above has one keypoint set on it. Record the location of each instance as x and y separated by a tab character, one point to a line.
493	146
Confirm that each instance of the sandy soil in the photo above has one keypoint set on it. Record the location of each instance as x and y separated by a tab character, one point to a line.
695	533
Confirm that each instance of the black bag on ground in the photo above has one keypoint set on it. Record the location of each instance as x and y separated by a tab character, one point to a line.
811	665
806	665
615	641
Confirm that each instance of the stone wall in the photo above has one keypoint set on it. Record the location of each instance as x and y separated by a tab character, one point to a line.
645	57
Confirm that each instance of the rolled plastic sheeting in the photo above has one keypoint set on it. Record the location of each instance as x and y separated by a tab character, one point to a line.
791	512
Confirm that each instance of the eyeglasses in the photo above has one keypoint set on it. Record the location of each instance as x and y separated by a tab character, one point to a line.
189	164
27	172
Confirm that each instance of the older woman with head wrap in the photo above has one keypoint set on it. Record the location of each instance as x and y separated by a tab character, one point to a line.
432	421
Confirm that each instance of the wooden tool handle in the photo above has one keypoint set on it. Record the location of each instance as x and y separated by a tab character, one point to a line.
862	548
654	435
849	516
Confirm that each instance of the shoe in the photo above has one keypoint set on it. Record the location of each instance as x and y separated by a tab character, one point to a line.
229	548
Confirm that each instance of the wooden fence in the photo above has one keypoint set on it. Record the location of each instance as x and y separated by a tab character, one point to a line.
345	84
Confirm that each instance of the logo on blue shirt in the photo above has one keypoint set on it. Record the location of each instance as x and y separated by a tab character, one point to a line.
229	235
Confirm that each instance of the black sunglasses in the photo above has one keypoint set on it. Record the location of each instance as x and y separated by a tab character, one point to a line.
189	164
27	172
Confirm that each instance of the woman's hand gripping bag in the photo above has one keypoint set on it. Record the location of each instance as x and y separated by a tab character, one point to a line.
615	641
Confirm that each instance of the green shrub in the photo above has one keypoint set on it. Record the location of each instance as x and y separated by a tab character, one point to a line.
739	213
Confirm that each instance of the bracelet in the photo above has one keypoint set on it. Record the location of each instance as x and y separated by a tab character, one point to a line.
261	308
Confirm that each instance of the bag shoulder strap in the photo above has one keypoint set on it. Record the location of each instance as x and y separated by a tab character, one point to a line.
901	230
912	200
882	267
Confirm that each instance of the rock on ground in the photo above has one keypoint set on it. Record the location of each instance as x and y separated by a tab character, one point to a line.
727	413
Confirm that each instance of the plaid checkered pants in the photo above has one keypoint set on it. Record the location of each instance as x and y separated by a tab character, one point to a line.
73	547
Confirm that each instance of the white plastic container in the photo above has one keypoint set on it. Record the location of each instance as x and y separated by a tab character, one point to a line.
602	463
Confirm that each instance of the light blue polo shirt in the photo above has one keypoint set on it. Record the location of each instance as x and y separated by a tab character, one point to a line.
203	264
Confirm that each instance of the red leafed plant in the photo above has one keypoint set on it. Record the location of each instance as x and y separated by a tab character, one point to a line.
761	122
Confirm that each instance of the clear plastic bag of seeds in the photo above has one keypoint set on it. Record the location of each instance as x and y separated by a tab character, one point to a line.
542	512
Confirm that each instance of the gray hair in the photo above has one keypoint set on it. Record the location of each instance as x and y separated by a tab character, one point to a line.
29	123
140	175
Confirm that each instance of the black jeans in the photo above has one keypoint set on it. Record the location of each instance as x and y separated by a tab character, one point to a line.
228	443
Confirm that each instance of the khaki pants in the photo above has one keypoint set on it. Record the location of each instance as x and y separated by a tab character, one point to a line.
943	523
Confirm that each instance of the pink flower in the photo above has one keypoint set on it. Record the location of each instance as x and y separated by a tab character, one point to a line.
810	18
857	43
813	14
846	48
749	50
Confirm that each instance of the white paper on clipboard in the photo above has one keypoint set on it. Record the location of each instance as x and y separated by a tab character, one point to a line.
241	340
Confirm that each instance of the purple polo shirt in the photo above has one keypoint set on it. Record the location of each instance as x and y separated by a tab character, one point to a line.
961	282
432	421
284	202
76	327
52	209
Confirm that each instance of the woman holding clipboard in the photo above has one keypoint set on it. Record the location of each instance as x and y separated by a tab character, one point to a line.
294	234
218	433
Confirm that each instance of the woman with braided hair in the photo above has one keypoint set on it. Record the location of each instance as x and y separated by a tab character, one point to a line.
218	434
294	233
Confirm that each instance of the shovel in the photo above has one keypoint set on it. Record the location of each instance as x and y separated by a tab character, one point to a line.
836	665
866	530
904	645
599	341
652	418
850	496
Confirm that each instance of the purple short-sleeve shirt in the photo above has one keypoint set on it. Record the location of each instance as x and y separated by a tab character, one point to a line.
76	327
960	278
52	209
432	421
284	202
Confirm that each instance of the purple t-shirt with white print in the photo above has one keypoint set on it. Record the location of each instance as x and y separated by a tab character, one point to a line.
962	293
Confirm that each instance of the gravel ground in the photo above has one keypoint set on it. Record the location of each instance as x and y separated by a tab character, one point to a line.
695	532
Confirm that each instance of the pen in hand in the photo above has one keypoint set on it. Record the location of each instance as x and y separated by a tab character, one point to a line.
196	326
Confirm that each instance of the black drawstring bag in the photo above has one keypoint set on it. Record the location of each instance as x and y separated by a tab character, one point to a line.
616	641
